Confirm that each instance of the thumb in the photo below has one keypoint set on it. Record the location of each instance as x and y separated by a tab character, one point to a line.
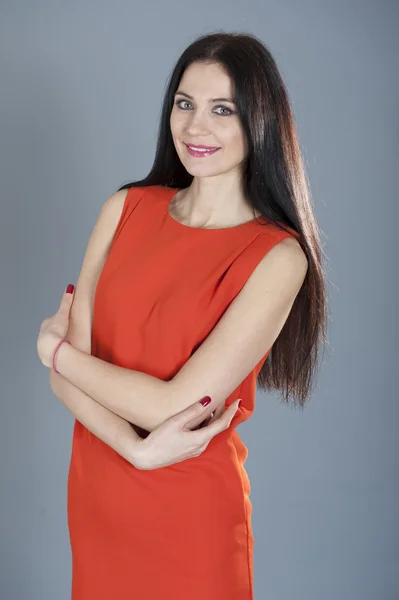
67	298
70	289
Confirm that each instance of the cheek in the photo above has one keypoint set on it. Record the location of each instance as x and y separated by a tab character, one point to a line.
234	142
176	122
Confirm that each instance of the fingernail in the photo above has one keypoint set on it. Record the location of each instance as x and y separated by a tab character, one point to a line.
70	288
205	401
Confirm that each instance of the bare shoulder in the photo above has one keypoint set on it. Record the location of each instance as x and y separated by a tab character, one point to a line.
106	223
285	264
290	250
95	255
113	205
246	331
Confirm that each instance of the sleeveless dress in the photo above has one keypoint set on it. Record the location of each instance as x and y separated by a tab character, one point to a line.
181	532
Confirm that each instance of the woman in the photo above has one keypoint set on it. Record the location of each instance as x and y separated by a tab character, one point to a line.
190	277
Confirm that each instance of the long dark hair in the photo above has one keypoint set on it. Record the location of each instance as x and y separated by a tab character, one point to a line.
275	184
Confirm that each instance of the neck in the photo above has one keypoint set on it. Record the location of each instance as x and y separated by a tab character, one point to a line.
211	203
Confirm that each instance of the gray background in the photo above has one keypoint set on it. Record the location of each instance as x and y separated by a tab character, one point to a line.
82	85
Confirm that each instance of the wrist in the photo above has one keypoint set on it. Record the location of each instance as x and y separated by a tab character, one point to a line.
61	342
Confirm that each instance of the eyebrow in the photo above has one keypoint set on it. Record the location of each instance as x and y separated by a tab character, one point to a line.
213	99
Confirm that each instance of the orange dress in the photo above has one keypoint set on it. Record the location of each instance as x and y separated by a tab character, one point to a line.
181	532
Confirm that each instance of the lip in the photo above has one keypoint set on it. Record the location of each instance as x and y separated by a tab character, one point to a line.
201	146
208	150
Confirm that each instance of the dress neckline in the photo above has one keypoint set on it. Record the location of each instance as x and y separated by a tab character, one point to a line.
170	196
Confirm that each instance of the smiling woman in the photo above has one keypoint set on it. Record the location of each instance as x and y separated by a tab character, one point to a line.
212	283
203	125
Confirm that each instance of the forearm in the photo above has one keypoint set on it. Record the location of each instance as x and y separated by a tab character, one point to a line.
106	425
135	396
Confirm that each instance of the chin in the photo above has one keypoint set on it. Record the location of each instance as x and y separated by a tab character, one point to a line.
204	172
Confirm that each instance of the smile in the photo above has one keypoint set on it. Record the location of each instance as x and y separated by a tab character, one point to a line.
200	151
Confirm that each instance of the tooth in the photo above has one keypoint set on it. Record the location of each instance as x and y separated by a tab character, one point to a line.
202	149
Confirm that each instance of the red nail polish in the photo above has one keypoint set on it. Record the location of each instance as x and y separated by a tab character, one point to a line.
70	288
205	401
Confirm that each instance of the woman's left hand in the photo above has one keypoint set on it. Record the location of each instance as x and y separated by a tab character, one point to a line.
54	329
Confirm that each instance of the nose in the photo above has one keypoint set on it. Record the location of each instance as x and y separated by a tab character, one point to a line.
197	123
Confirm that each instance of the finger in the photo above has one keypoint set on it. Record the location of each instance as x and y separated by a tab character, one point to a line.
218	412
220	424
211	419
190	413
67	298
221	420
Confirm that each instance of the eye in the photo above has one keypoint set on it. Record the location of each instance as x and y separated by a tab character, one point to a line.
178	102
229	111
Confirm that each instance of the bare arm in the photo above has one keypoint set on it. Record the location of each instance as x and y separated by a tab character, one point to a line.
135	396
106	425
244	334
102	422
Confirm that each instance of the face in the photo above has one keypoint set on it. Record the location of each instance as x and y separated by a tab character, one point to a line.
198	119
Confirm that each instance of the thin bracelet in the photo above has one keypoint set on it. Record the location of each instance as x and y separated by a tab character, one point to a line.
55	353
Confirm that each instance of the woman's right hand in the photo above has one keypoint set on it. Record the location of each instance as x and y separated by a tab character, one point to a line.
173	441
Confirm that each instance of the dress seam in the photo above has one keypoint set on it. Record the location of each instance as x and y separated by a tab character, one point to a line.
251	591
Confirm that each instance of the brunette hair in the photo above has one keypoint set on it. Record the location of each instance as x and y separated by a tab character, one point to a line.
276	185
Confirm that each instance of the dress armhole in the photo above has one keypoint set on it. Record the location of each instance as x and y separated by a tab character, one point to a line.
133	197
245	263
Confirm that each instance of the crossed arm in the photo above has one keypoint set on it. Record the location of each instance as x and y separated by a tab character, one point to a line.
237	343
107	398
